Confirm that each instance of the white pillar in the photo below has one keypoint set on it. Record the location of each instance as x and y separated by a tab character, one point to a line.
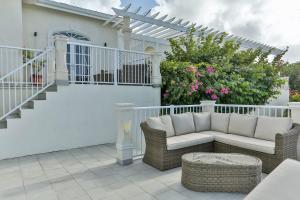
124	143
208	106
51	67
126	30
295	111
295	114
61	77
156	76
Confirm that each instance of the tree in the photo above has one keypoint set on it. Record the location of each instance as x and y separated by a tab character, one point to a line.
293	72
210	67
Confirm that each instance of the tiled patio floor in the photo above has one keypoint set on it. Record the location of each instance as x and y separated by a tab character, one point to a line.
91	174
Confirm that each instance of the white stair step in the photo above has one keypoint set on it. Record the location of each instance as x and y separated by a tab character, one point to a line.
3	124
14	115
28	105
52	88
41	96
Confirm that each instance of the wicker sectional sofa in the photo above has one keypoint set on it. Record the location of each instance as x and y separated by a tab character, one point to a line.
272	139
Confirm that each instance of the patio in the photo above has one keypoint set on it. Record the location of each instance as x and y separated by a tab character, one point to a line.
91	173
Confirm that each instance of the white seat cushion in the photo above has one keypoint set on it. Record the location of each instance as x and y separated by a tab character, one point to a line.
282	183
242	125
247	143
212	133
202	121
268	127
220	122
162	123
187	140
183	123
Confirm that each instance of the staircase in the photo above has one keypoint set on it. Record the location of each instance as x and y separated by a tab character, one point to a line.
29	105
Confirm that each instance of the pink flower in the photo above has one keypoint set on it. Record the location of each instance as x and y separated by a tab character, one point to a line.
198	74
190	93
191	69
208	91
210	69
214	97
193	88
224	91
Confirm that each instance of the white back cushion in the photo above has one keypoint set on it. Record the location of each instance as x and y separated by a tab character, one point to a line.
202	121
268	127
242	125
162	123
220	122
183	123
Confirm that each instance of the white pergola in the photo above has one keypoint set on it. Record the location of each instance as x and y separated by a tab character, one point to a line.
162	27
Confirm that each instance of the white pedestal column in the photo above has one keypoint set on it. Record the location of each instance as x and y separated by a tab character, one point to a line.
156	76
208	106
62	77
126	30
295	114
124	144
295	111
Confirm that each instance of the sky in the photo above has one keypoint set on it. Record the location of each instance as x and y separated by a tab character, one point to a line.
274	22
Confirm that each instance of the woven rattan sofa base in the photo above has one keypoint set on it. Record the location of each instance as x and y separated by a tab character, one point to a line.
172	159
157	155
269	161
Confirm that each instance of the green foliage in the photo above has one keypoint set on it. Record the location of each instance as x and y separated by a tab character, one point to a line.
210	67
293	72
295	97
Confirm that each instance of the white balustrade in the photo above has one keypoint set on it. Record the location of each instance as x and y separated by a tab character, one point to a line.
93	64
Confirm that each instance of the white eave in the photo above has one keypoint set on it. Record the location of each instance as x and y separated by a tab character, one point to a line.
70	9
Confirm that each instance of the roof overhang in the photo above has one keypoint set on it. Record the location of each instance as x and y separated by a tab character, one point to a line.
161	27
70	9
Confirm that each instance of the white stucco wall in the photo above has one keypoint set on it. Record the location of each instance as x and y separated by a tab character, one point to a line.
45	21
75	116
11	22
283	98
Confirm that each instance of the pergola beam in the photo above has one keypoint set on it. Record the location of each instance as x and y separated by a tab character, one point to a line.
161	28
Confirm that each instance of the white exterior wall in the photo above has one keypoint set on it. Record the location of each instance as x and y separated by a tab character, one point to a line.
75	116
45	21
11	22
284	97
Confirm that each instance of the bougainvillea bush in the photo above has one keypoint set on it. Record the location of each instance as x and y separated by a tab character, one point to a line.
210	68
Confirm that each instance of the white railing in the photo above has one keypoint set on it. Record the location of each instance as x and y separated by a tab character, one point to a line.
13	57
143	113
102	65
256	110
25	82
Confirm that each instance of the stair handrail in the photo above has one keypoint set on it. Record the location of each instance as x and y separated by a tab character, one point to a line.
27	63
35	72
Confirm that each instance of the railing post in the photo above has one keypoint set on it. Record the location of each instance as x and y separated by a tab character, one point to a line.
208	106
116	66
156	76
62	77
124	143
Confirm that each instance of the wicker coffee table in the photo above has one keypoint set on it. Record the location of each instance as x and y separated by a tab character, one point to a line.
220	172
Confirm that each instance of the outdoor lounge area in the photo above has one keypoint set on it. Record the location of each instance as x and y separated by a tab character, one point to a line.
107	100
